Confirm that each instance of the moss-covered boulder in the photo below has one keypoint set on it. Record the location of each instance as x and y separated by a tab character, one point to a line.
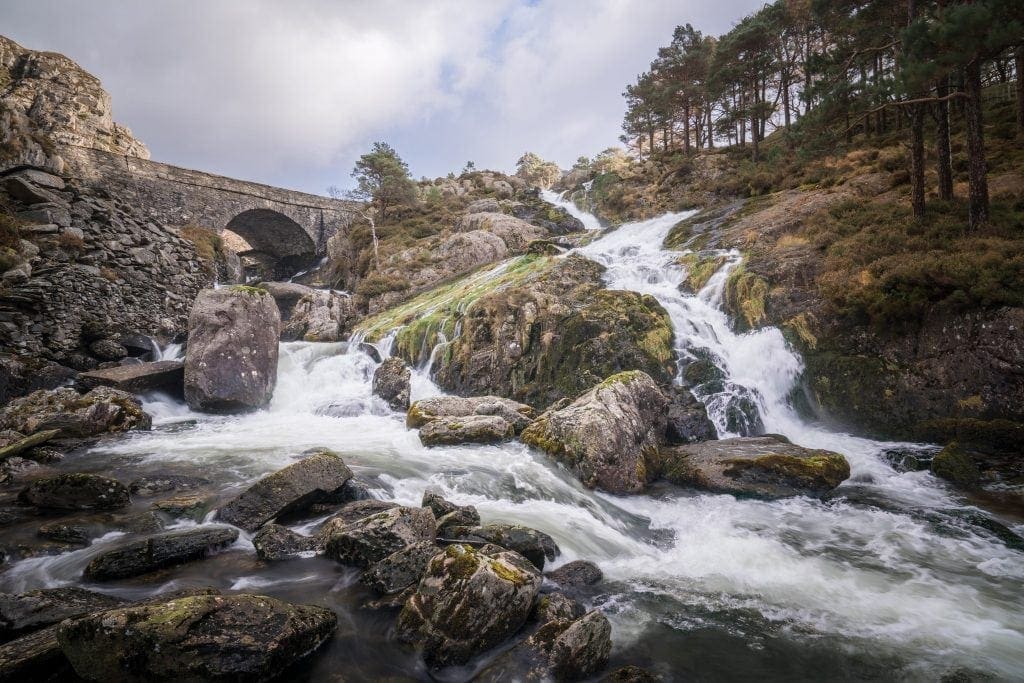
761	467
205	637
608	437
102	410
468	601
370	539
954	465
76	491
471	429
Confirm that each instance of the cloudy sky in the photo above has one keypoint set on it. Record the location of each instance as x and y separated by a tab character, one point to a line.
291	92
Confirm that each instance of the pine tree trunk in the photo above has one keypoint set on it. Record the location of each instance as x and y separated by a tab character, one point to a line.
917	159
686	127
1019	69
943	161
976	164
711	131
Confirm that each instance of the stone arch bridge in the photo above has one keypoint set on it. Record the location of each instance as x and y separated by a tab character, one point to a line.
287	229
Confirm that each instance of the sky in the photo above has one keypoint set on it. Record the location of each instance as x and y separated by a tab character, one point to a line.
290	93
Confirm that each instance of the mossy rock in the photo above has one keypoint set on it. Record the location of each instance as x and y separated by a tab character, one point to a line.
745	299
956	467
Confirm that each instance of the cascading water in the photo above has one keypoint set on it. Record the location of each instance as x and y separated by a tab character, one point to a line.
874	583
589	220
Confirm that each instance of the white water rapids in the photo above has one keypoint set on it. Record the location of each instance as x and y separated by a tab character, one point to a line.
705	584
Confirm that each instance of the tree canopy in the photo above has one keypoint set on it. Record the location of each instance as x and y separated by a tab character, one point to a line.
383	179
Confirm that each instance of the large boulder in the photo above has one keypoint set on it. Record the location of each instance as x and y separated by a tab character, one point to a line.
199	638
275	542
400	569
451	420
763	467
159	551
321	315
286	295
76	491
576	574
295	488
608	437
534	545
136	378
687	418
514	232
102	410
231	357
468	601
954	465
371	539
391	382
31	611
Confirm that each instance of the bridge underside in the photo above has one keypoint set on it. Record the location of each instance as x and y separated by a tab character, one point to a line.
278	247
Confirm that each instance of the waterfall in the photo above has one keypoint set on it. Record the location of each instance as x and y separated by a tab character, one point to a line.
590	221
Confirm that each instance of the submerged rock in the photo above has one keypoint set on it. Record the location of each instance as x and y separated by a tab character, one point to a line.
159	551
391	382
287	491
76	491
31	611
609	436
576	573
231	357
468	601
276	542
209	638
764	467
372	538
102	410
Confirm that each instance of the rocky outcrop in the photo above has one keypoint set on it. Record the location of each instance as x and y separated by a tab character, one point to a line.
205	637
101	411
514	232
291	490
137	378
157	552
468	601
63	102
321	315
608	437
231	358
76	491
89	269
391	382
373	538
763	467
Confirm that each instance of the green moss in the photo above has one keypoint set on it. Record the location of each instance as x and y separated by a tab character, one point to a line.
699	269
250	290
825	466
745	297
463	561
620	378
508	573
987	436
955	466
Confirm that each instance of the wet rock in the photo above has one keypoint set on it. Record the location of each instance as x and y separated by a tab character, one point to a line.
576	573
31	611
286	295
108	349
321	315
556	606
34	657
164	375
391	381
482	429
16	444
76	491
20	375
450	517
909	459
236	637
954	465
153	485
231	357
687	418
287	491
102	410
764	467
185	505
631	674
66	532
353	512
536	546
609	436
583	648
276	542
81	530
372	538
468	601
401	569
159	551
421	413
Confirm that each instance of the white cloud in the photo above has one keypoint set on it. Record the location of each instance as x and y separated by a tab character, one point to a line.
291	92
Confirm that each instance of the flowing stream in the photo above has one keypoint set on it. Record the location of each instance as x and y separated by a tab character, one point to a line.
878	581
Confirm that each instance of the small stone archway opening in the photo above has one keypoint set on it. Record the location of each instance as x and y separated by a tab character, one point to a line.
276	247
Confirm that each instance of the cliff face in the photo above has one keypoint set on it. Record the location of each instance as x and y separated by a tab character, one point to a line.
47	98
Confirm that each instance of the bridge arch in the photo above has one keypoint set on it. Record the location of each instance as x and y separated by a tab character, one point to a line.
278	247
